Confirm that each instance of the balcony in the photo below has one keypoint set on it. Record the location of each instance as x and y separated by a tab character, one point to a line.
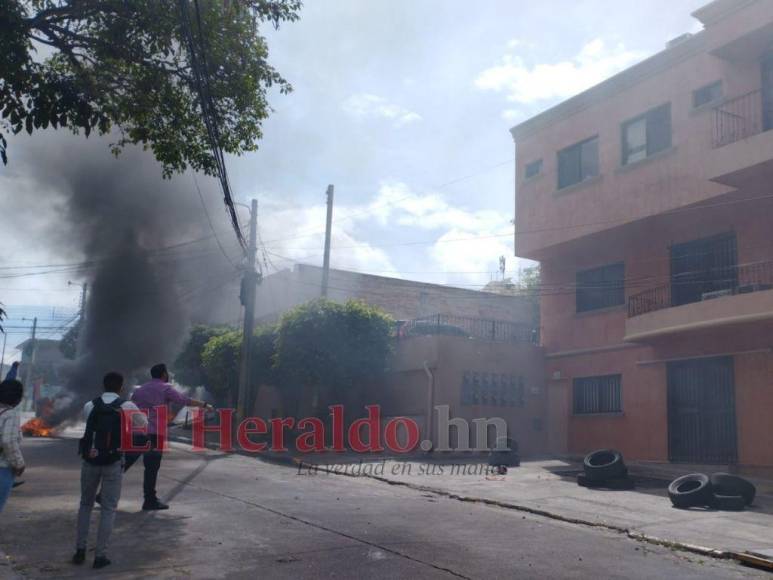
475	328
740	294
742	145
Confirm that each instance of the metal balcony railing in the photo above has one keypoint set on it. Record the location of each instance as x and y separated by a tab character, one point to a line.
743	279
738	119
443	324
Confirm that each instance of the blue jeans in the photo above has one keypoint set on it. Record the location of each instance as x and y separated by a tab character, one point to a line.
6	483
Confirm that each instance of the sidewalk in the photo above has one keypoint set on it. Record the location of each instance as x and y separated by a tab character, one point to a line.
549	488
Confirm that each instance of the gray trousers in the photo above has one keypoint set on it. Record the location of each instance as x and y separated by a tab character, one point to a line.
91	475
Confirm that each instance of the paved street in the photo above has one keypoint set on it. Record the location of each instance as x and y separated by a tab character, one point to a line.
236	517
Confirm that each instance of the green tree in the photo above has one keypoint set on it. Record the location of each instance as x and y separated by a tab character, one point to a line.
331	345
220	358
188	366
127	66
220	361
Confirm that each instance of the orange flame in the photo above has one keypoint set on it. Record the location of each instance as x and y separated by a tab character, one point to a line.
37	428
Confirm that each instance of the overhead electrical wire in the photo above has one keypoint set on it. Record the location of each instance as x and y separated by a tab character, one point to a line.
200	69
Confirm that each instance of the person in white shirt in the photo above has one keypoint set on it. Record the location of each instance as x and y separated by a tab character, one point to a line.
11	459
103	464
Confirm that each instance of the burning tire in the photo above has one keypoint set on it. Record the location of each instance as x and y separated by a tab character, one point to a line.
604	464
692	490
725	484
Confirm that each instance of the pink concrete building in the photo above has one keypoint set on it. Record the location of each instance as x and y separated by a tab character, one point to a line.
648	202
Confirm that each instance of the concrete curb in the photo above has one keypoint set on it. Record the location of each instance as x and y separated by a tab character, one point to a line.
682	546
289	460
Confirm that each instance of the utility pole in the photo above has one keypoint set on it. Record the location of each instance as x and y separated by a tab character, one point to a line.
249	286
328	228
2	358
81	316
31	364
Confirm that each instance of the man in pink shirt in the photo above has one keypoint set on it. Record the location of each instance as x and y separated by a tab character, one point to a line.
156	393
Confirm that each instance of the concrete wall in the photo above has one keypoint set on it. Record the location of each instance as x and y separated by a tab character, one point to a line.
403	299
404	391
448	359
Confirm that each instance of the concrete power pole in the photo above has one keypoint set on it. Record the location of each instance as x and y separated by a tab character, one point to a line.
249	286
81	316
31	365
328	228
2	357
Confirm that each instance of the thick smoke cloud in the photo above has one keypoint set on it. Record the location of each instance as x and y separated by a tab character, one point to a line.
151	260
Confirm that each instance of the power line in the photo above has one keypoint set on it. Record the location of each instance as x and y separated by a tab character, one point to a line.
209	221
394	201
208	108
544	229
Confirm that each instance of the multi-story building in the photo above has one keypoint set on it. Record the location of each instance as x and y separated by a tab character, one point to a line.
648	201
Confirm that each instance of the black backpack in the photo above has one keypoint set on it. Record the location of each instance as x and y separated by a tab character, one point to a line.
103	433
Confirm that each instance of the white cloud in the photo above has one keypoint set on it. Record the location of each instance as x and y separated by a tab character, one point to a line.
528	84
512	115
398	204
469	242
369	106
296	234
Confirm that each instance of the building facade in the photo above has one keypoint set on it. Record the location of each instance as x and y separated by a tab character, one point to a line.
648	202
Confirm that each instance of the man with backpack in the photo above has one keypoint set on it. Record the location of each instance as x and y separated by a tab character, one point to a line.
103	463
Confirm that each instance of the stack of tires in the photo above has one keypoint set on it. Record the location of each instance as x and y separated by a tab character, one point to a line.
605	468
721	491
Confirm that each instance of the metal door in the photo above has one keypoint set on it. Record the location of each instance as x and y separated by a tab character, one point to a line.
701	411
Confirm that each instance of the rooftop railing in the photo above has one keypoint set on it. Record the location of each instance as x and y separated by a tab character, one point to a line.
484	329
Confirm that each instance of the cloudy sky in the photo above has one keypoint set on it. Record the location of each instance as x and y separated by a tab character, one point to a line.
405	106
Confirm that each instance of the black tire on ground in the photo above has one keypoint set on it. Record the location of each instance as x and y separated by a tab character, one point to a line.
604	464
732	503
692	490
727	484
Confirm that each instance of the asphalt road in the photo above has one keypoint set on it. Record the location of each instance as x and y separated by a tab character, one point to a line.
236	517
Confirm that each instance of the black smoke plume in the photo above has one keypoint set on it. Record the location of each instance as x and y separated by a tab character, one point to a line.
148	254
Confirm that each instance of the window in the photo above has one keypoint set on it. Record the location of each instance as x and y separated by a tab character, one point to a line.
533	169
578	163
708	94
601	287
493	389
597	395
647	135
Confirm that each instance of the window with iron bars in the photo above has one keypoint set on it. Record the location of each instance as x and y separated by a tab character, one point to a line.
594	395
